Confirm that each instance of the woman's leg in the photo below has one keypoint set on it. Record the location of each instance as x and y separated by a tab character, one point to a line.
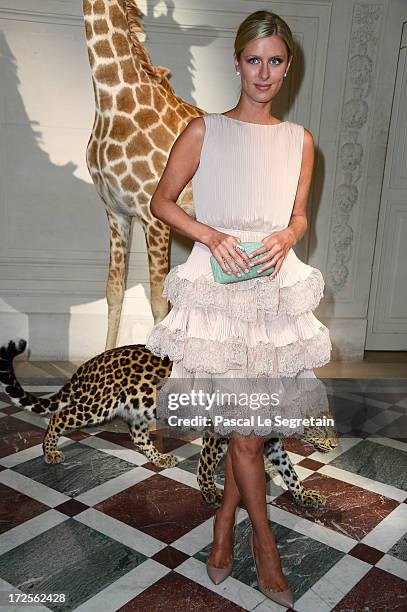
222	547
246	454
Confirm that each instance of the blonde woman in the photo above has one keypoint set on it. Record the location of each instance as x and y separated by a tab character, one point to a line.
251	175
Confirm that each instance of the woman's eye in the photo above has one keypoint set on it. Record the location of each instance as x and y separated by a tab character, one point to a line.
272	59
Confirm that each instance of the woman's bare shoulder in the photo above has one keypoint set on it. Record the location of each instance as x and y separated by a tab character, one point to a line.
194	132
307	133
193	137
197	124
308	138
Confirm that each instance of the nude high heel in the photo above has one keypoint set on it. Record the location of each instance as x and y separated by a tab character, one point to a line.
284	598
219	574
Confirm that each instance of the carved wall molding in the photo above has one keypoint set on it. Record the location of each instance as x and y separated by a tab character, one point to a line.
353	140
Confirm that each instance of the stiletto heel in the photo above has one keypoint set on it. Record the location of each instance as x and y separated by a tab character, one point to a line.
284	598
219	574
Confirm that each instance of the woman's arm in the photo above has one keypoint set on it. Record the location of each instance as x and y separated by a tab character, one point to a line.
298	222
182	164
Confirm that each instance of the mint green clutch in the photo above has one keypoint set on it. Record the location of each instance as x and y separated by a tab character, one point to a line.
222	277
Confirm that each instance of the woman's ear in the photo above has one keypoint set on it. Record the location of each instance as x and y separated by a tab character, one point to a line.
235	60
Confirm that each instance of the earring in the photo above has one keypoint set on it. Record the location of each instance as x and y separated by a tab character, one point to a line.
237	73
285	74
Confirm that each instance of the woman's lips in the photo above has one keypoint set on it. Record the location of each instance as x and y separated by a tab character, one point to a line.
262	87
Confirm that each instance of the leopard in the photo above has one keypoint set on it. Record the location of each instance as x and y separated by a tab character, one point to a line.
276	459
119	382
122	382
323	438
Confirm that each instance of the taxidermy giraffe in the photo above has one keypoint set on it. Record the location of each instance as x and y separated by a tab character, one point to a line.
137	120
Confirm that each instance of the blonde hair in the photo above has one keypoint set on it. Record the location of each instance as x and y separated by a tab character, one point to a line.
260	24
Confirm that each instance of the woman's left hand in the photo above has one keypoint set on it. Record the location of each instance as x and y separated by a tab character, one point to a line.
278	244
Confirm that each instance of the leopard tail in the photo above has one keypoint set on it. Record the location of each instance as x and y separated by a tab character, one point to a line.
18	396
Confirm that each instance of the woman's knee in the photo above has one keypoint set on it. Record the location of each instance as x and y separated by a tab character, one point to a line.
249	446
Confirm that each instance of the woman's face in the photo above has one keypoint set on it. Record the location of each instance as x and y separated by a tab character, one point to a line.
263	62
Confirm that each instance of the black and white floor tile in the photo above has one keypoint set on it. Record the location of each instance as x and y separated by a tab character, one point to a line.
110	531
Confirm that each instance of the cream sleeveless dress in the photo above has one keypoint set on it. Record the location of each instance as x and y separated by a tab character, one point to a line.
252	335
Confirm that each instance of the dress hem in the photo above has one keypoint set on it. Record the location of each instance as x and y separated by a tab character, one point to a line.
262	359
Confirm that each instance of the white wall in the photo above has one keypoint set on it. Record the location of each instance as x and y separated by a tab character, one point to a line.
53	231
53	228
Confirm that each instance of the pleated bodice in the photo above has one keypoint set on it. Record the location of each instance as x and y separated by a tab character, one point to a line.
248	174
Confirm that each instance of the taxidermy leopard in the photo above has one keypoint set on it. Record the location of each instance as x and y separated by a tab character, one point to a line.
122	382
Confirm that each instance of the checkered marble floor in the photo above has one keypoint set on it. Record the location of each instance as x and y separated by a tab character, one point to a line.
111	531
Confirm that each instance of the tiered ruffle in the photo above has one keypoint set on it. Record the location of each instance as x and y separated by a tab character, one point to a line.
263	359
258	326
245	299
246	405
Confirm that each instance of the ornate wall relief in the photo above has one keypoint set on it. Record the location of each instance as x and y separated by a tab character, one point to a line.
353	140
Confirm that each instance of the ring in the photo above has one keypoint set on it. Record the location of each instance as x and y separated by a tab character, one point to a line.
237	247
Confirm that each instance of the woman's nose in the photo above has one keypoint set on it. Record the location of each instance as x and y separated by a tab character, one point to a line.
264	73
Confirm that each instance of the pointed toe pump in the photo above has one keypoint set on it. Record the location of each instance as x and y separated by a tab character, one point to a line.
284	598
219	574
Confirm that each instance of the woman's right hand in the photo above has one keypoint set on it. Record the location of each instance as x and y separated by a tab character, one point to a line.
223	248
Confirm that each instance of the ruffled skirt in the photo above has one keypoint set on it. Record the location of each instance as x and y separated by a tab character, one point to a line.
257	336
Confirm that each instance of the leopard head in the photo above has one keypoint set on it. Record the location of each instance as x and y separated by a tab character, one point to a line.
323	438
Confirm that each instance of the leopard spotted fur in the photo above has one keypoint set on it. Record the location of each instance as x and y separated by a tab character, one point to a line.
122	382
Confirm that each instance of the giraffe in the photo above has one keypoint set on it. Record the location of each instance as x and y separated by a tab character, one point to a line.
138	117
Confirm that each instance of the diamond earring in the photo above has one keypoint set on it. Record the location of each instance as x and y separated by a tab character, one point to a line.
237	73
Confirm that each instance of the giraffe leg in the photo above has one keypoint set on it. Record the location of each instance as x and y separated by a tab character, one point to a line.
157	240
119	248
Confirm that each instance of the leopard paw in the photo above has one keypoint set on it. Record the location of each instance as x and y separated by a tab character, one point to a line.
310	498
269	467
213	496
165	460
54	457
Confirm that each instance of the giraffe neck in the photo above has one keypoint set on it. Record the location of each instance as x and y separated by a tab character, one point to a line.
117	58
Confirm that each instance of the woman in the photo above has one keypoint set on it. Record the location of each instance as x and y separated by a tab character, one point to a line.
251	175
